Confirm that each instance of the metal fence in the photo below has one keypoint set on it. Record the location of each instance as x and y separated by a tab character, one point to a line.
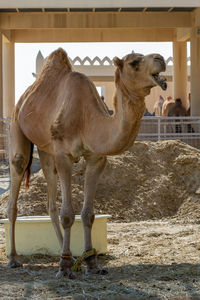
186	129
4	132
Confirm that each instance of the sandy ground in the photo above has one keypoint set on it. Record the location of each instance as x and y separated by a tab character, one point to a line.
152	193
146	260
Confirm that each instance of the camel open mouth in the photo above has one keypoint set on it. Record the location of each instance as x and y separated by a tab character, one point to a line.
159	81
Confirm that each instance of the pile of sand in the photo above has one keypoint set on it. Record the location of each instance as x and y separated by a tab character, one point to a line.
152	180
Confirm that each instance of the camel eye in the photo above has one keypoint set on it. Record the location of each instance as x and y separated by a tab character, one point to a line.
135	64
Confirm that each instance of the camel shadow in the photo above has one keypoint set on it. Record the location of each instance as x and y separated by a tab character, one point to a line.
140	281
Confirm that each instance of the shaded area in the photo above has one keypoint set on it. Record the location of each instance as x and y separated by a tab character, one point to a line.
145	260
128	281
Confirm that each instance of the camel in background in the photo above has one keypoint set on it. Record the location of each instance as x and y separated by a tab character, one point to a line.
168	103
63	114
178	110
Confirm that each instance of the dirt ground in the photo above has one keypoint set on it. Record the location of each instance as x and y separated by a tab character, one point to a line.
145	260
152	193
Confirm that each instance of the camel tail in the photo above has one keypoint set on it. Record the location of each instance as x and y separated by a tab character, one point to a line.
28	168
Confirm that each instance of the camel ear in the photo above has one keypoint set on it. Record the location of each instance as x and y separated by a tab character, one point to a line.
118	62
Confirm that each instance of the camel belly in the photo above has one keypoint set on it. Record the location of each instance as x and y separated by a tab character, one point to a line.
39	133
35	130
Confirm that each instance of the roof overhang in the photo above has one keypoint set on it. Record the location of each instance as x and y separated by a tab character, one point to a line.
99	5
98	20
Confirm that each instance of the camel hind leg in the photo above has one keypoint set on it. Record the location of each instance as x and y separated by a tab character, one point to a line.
19	157
49	170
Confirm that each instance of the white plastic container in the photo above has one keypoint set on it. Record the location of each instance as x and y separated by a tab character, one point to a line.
35	234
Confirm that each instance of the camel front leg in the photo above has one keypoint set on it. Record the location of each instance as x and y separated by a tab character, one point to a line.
64	169
94	168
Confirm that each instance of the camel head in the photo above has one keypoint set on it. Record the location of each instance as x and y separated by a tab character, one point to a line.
139	73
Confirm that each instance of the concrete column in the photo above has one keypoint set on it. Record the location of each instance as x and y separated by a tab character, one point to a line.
180	71
195	72
1	79
8	78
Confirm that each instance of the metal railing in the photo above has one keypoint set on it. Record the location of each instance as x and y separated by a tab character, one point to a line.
4	132
186	129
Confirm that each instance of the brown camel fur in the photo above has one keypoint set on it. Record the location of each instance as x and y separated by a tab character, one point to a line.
177	109
62	113
168	103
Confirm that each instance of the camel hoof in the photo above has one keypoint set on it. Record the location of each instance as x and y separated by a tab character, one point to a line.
66	263
13	263
62	274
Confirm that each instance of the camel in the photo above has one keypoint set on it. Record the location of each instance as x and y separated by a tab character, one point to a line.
64	116
177	109
168	103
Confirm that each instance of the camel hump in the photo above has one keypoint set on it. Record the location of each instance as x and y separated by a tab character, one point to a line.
61	56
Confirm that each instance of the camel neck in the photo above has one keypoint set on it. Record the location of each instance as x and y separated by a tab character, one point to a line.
129	94
115	134
129	111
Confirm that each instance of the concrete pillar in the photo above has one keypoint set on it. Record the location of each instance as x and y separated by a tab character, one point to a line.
1	80
180	71
8	78
1	99
195	72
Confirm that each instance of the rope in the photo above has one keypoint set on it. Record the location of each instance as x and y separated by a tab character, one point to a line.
77	265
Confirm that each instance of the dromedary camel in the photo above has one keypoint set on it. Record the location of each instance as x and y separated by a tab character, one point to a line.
62	113
168	103
178	110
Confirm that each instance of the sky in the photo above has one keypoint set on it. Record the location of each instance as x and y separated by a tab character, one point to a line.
25	55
